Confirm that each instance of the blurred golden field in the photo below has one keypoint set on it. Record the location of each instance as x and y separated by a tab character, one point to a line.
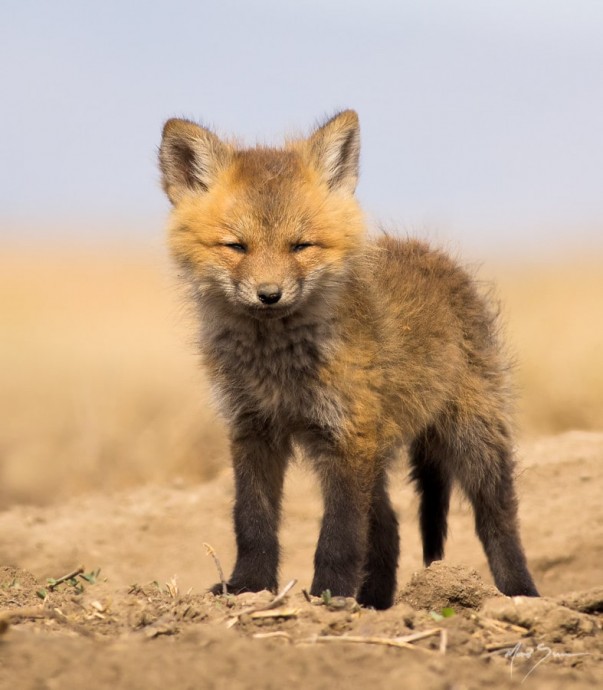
101	386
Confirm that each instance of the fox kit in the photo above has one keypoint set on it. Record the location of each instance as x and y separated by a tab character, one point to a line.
350	348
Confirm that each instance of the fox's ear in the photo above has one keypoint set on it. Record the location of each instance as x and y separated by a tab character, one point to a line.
189	157
335	148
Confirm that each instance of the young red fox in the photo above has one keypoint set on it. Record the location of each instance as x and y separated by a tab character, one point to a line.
350	348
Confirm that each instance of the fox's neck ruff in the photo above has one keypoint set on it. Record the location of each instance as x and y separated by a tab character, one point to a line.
305	331
272	366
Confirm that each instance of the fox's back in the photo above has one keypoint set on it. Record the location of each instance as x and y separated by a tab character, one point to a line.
429	294
440	345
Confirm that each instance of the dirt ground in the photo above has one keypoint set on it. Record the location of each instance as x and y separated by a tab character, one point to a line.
144	620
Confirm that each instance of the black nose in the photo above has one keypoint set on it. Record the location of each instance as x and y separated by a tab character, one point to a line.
269	293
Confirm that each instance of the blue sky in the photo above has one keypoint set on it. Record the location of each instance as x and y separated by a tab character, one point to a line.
481	121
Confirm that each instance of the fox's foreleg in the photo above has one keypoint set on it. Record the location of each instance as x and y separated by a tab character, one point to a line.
357	549
342	544
259	462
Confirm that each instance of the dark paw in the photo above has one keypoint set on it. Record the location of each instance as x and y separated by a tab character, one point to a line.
231	588
521	585
337	589
239	588
522	591
375	599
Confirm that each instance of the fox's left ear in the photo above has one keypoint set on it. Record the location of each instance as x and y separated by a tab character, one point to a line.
190	158
335	149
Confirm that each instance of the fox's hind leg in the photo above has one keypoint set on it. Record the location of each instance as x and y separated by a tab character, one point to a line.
379	586
430	472
482	454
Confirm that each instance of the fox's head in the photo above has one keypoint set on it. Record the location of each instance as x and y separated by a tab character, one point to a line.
263	229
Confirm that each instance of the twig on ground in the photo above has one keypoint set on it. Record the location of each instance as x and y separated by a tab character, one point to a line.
419	635
7	617
403	642
498	646
274	613
211	552
279	597
500	626
55	583
266	607
269	635
307	597
443	640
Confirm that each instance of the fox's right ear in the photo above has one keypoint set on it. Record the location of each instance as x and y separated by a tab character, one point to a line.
335	148
190	157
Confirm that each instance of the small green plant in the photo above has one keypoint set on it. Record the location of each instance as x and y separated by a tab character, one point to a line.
326	597
73	579
92	576
446	612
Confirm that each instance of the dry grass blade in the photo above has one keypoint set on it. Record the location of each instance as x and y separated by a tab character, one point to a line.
7	617
418	635
278	599
212	552
275	613
280	596
500	626
172	588
498	646
400	642
443	641
270	635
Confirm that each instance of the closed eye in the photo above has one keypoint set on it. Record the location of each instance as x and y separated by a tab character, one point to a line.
236	246
300	246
